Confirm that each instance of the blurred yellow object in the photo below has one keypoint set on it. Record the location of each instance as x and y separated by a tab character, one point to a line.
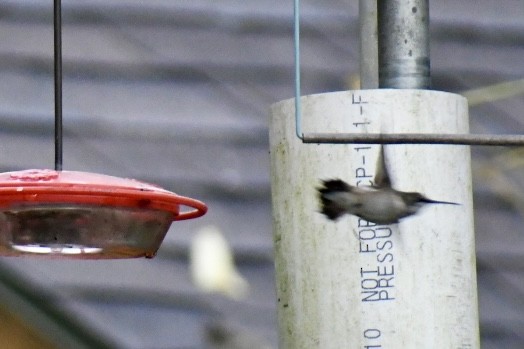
212	265
495	92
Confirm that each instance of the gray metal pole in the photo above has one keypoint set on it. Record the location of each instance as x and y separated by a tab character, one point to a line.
403	44
367	10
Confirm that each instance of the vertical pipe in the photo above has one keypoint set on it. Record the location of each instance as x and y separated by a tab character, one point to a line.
403	44
356	284
367	10
57	20
353	283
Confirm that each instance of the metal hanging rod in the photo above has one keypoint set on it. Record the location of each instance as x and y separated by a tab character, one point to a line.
413	138
392	138
296	41
57	21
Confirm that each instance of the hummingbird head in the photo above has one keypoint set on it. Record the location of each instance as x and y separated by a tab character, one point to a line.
414	201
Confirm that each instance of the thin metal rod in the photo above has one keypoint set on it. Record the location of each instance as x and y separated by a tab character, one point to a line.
298	106
57	19
403	44
367	13
414	138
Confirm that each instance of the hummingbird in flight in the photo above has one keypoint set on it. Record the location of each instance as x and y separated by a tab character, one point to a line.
379	203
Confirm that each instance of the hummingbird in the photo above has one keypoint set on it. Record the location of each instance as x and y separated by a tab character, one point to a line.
379	203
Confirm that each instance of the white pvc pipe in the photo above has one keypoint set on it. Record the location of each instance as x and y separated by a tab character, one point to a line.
350	283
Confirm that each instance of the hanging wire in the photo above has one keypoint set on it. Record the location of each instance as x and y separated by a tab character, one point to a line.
298	106
57	19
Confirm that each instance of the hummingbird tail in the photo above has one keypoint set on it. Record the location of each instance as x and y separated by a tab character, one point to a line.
327	194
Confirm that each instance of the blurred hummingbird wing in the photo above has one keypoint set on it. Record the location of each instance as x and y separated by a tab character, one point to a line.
381	175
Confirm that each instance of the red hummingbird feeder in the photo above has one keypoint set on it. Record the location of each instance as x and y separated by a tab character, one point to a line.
86	215
70	214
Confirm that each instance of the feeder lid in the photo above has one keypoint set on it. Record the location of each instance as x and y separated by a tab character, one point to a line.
86	215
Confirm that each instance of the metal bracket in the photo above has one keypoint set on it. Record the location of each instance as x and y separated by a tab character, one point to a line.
393	138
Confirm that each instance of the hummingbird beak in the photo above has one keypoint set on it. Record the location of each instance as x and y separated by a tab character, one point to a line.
429	201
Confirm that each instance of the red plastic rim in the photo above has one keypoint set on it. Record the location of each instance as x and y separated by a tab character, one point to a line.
29	187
